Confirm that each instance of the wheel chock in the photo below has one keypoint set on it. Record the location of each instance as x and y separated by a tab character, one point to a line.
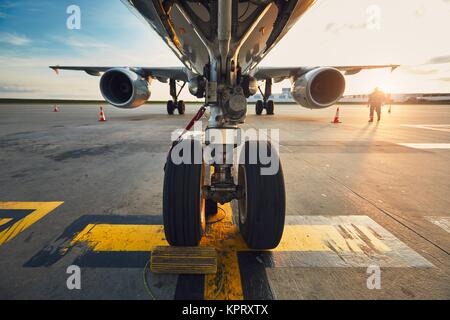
184	260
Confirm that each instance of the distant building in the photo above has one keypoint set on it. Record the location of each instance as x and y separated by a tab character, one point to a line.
402	98
284	96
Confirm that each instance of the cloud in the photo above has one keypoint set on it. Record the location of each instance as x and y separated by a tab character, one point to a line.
14	39
15	89
444	79
79	42
4	6
7	5
419	70
439	60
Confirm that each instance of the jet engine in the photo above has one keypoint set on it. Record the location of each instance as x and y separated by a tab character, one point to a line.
124	88
319	88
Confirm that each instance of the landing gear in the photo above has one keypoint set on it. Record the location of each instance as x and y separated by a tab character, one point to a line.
269	107
174	103
183	201
262	203
188	201
170	107
181	107
265	103
259	107
193	189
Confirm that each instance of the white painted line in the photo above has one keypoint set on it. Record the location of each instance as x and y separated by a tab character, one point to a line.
426	145
436	127
442	222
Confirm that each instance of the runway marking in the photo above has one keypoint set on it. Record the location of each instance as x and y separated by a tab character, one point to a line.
113	241
322	241
5	221
442	222
426	145
16	217
435	127
112	237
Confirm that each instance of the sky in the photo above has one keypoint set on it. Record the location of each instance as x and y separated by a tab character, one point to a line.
413	33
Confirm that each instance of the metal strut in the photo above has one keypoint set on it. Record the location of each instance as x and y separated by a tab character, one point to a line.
267	90
173	90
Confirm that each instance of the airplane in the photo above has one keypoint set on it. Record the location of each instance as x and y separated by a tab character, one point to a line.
221	44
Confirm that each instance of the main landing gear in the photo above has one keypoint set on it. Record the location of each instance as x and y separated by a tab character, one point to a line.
265	103
174	103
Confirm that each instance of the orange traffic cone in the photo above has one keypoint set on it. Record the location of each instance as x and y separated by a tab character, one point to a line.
336	117
102	115
55	108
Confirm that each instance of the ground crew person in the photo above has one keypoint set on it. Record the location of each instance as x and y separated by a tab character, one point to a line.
376	100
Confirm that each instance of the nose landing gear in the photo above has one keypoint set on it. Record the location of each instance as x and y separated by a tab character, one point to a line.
260	197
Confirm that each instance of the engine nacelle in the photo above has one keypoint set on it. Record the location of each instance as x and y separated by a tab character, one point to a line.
319	88
124	88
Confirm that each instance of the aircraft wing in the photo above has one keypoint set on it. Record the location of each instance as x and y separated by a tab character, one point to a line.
162	73
279	74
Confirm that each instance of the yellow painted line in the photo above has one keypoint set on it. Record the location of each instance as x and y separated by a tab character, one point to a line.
40	209
227	240
225	237
4	221
120	237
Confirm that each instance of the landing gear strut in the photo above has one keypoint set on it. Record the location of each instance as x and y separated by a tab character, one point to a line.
174	103
265	103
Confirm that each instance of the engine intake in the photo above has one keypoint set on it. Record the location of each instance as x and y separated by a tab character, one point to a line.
124	88
319	88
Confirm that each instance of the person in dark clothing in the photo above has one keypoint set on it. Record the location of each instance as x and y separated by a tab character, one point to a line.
376	100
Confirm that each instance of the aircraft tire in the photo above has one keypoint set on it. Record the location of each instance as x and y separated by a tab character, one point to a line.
259	107
270	107
181	106
170	107
263	203
183	203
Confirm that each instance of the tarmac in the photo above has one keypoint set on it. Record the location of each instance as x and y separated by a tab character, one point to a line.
367	206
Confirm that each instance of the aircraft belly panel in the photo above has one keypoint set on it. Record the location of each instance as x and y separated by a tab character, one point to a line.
179	33
253	48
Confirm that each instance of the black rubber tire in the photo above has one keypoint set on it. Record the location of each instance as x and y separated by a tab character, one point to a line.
183	208
170	107
181	106
270	107
264	201
259	107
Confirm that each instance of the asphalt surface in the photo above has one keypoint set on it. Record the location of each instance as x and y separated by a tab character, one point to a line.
384	186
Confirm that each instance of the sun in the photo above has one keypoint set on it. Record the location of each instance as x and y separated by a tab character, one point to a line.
386	82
